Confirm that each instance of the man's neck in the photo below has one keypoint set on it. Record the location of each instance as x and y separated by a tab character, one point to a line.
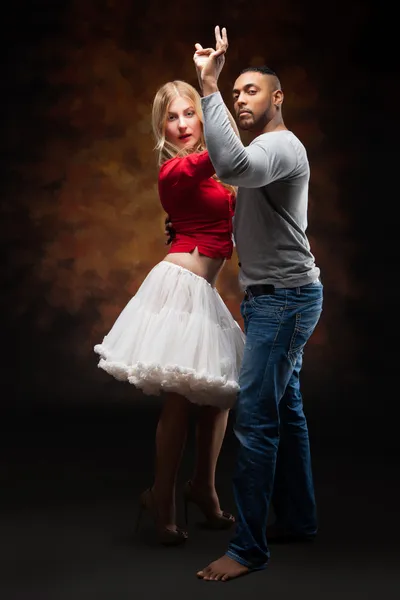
273	125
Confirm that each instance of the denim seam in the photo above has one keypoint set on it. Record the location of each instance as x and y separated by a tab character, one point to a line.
293	351
273	345
238	558
243	562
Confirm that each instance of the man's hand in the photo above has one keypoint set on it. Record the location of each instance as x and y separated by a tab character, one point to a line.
169	231
209	62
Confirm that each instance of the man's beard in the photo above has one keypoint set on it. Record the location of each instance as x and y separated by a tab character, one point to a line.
246	124
250	123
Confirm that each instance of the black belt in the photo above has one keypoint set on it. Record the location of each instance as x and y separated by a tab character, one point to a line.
263	289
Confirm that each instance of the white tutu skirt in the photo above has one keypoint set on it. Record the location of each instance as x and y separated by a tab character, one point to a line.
176	335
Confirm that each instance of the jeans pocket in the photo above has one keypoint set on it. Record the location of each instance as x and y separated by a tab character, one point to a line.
269	306
306	321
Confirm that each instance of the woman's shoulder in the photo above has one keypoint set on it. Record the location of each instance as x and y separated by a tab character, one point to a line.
195	164
192	156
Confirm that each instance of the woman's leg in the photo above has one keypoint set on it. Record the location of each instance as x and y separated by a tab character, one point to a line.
210	433
170	441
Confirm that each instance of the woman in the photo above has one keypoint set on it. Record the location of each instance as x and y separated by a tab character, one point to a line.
176	336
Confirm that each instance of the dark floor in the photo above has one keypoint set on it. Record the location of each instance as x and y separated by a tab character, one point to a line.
69	487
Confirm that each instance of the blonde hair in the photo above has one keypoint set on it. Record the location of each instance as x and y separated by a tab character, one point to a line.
162	100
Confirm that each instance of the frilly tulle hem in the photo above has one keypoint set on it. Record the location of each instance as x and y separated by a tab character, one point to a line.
198	387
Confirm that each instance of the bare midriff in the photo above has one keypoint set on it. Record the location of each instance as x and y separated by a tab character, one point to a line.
201	265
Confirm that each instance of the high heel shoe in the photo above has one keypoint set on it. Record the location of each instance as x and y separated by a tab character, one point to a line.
222	520
166	536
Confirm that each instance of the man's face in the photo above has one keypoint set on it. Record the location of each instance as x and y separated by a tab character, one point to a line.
253	95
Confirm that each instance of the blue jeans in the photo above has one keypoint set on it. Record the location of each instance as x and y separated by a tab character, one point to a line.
269	416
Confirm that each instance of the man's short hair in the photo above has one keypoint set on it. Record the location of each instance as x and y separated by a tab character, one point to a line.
264	70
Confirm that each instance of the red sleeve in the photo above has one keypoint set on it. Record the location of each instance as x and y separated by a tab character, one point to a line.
186	170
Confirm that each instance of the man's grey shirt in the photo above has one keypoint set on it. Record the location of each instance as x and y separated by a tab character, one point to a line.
270	223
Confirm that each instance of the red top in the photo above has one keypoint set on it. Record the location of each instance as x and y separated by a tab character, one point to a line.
200	208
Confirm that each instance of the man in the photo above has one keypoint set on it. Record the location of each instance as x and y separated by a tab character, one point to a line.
281	308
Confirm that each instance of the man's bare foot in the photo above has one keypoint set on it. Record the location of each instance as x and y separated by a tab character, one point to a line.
222	569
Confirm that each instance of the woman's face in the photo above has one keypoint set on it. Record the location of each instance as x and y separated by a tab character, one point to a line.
183	126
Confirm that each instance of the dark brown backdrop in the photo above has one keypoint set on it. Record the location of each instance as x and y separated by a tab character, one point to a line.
81	223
